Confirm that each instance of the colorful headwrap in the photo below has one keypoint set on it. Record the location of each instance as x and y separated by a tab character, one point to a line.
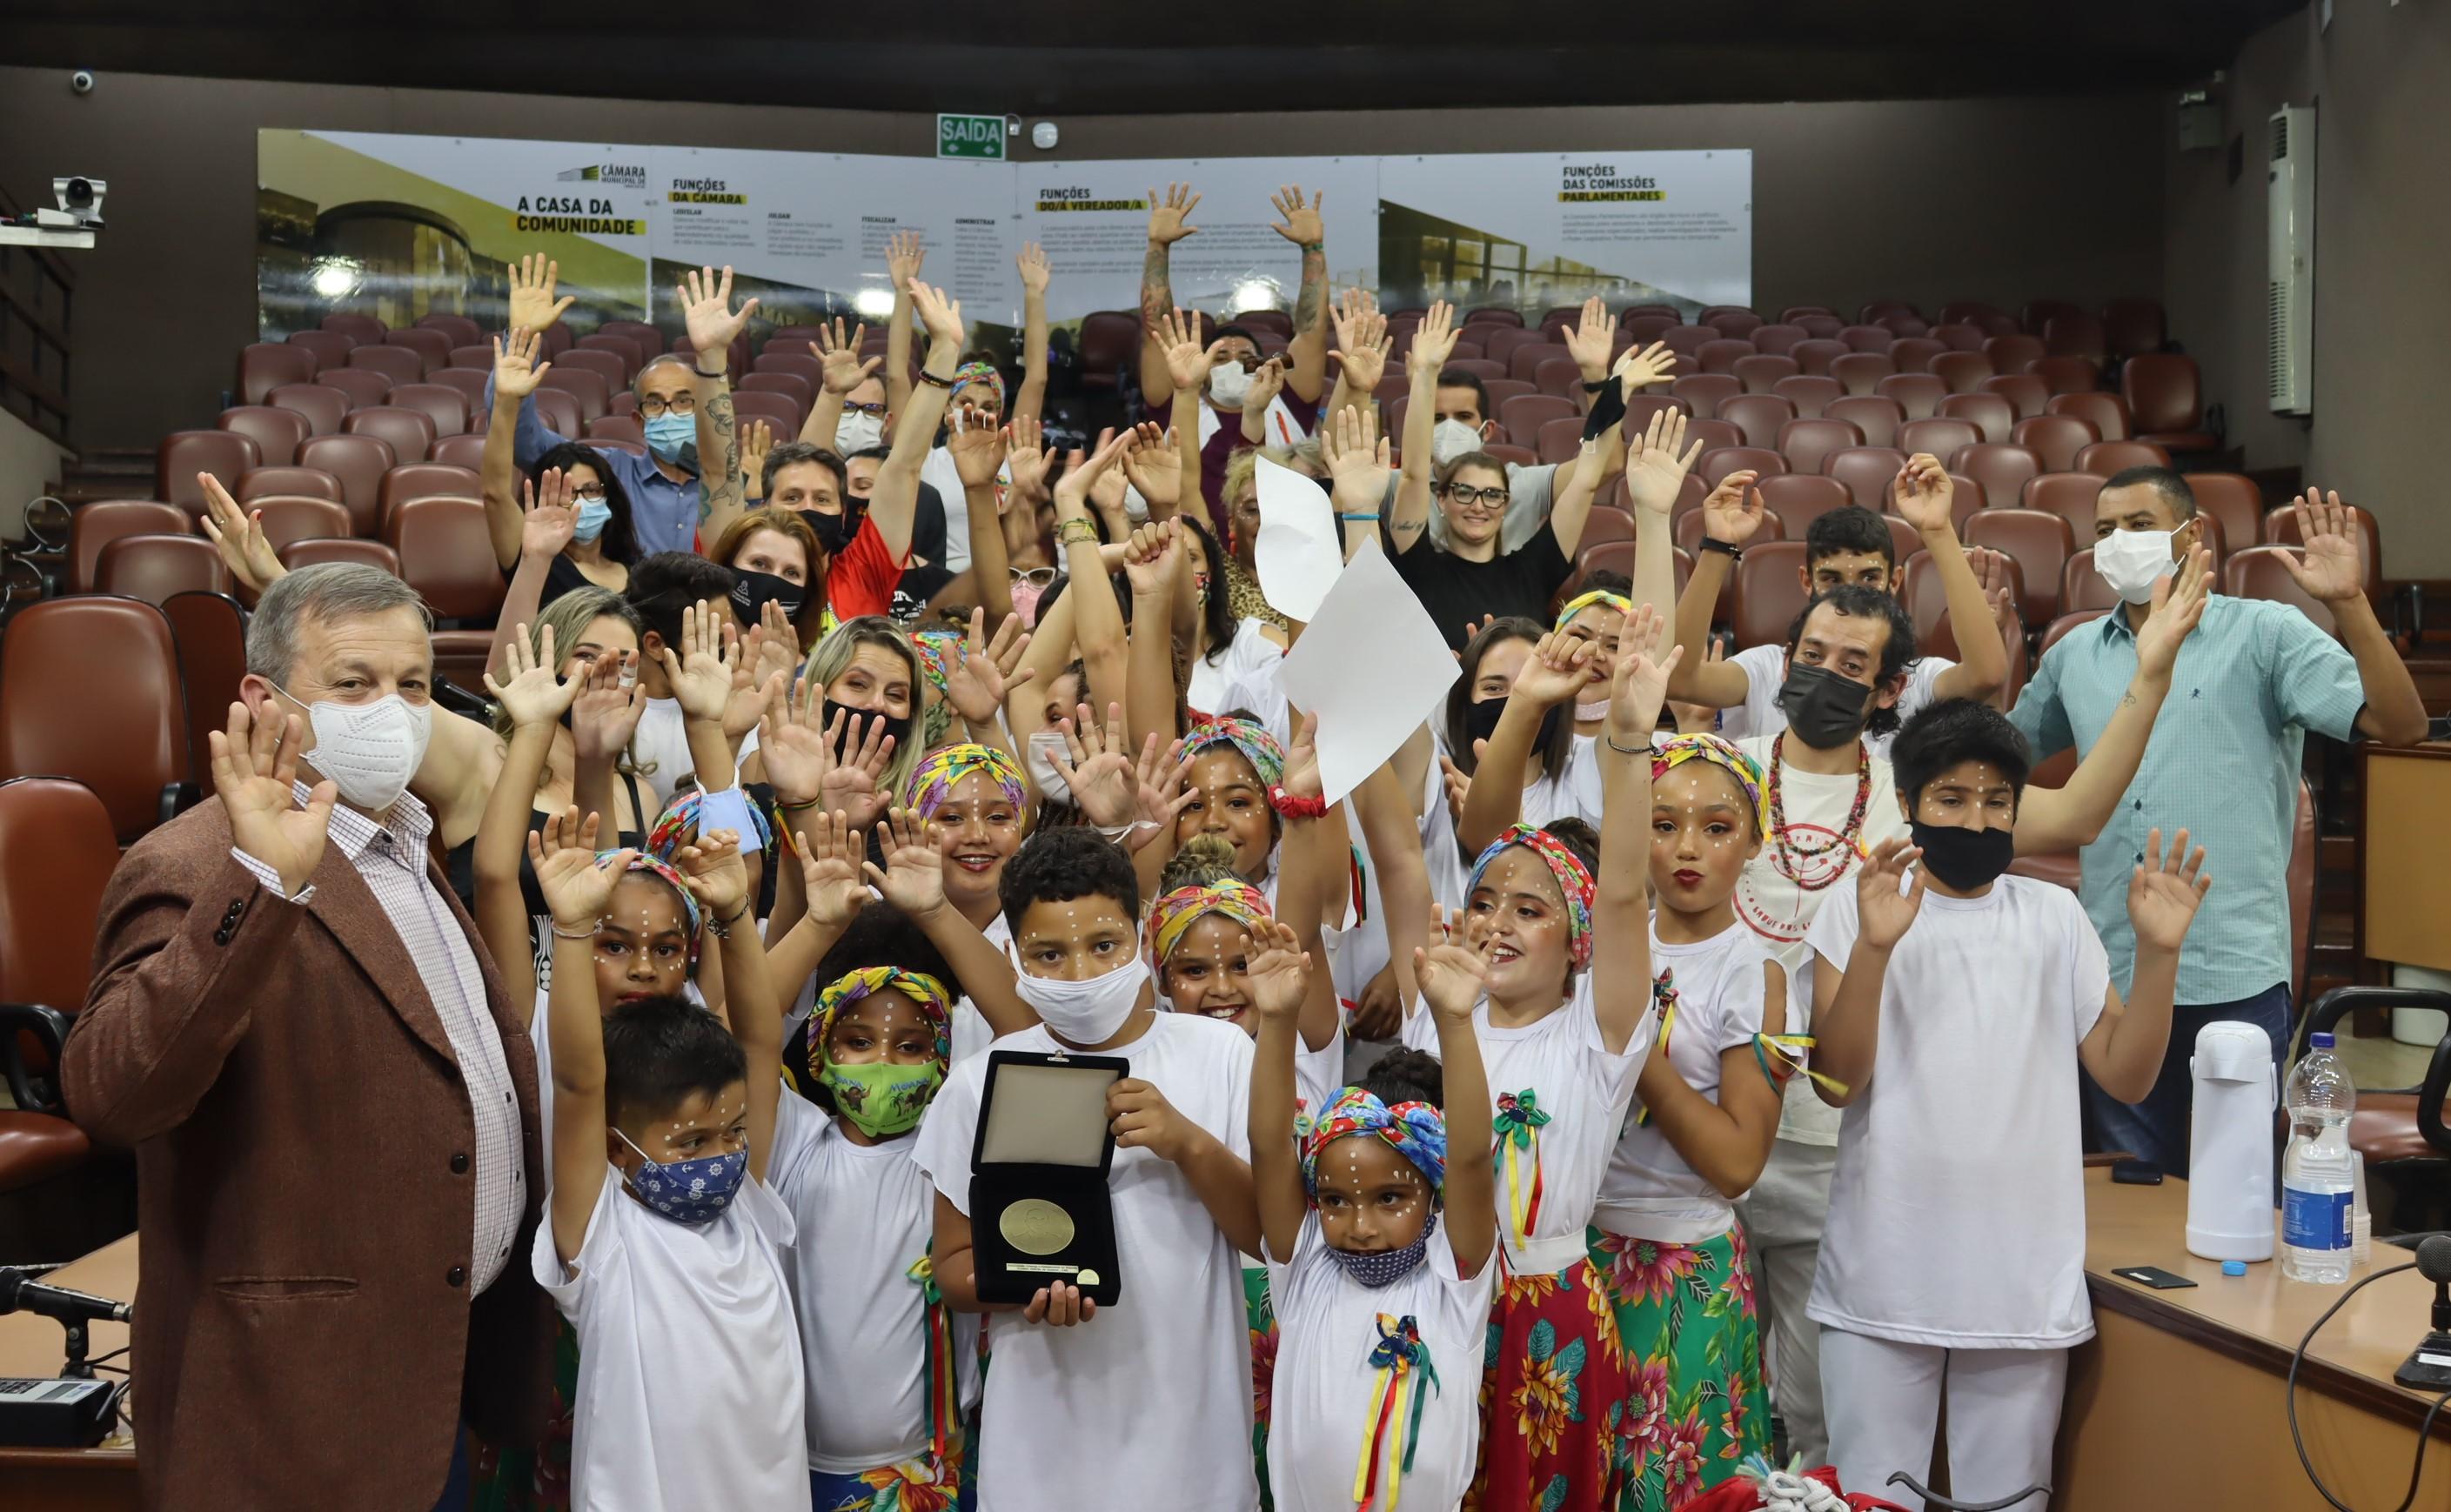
658	867
1574	880
681	815
851	986
1175	912
1673	752
942	770
979	372
1414	1130
939	652
1584	601
1258	746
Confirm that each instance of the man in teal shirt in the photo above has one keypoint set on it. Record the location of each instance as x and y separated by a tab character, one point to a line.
2224	762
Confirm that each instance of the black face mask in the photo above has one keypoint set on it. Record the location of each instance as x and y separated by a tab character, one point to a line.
1823	709
1480	722
1965	860
896	725
834	532
752	591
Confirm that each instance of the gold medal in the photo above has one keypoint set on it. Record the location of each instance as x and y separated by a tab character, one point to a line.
1035	1226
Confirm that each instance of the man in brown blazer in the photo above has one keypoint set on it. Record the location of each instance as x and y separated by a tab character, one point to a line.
333	1109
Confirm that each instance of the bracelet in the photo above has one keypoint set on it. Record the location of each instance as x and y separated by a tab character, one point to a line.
1076	533
934	381
1371	518
722	928
1727	549
795	808
1294	808
1632	751
1116	832
561	933
1314	247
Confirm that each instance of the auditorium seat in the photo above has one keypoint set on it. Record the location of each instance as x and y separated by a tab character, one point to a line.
1799	498
623	428
1509	452
48	921
1824	326
460	451
1647	326
1927	603
796	362
1605	522
331	348
208	632
2258	573
275	432
558	340
587	389
1906	328
2040	543
1720	462
2281	529
1759	415
1478	367
1867	472
433	348
1862	372
358	327
313	551
2028	396
2066	626
287	483
1556	440
2105	413
92	526
322	406
2055	439
2131	327
1808	444
1810	393
408	432
1914	354
1762	372
2067	375
1617	557
2215	538
1639	411
1766	592
1792	314
649	341
2011	353
1779	339
1941	435
446	556
361	386
2036	313
1815	354
2081	587
1525	415
127	747
1865	338
2234	501
470	388
1704	392
561	410
1960	336
2001	468
2073	333
1736	323
264	366
2165	394
785	414
1524	360
1990	413
400	365
155	567
1917	393
1686	341
1562	376
2105	458
2070	496
1961	371
359	461
1500	390
478	358
182	454
1712	434
459	330
407	481
1486	314
1687	531
1874	417
1111	345
292	516
623	351
607	365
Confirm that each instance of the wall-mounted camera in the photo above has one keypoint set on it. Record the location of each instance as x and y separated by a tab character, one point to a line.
81	82
79	199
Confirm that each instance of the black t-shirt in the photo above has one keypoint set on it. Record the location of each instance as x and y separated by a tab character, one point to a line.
1457	592
561	577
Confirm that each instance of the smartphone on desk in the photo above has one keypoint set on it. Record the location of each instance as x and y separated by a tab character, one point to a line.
2136	1173
2153	1276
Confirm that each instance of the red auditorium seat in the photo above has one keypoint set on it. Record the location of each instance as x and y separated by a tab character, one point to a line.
182	454
2055	439
558	340
2000	467
1869	339
2165	394
1733	319
1648	326
2081	587
432	347
364	386
795	361
1704	392
359	329
1815	356
1927	603
2028	396
1961	371
1556	440
401	364
1991	414
471	358
1914	354
1907	327
1767	593
92	526
1503	389
1712	434
1940	436
1484	315
1639	411
1862	372
410	480
2067	375
155	567
323	407
468	384
1973	311
287	483
2012	353
1811	394
1799	498
275	432
2073	333
1917	393
1822	327
1525	361
293	517
625	429
1720	462
2281	529
1525	414
1759	415
331	348
2131	327
2234	501
458	329
1687	531
1686	341
359	461
1762	372
1478	367
1960	336
208	632
408	432
585	387
129	747
2258	573
264	366
313	551
623	351
1779	339
1607	523
1877	418
1792	312
649	341
2040	543
446	556
1808	444
606	365
1970	496
1720	356
462	451
1111	343
2105	413
559	409
48	915
2105	458
1562	376
2070	496
1867	472
781	411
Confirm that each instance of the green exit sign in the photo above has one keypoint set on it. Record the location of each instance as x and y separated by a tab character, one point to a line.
970	136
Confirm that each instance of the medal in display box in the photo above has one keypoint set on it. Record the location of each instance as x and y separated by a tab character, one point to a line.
1040	1210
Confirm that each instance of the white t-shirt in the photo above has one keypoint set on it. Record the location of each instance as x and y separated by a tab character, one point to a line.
689	1360
1780	909
661	749
940	473
970	1031
1765	669
1328	1325
1584	1088
1957	1212
865	1213
1281	428
1161	1381
1651	1193
1249	656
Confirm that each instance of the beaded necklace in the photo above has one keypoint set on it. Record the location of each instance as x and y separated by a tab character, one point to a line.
1783	852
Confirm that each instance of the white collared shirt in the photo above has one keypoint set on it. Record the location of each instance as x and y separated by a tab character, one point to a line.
391	857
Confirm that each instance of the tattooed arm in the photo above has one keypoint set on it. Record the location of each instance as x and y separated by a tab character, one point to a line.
713	325
1304	229
1166	227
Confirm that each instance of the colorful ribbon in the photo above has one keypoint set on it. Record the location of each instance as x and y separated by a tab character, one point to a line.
1517	1129
1174	912
1414	1129
1663	999
1258	746
939	652
851	986
942	770
944	1404
981	372
1678	750
1574	880
1399	1357
1780	1056
1583	602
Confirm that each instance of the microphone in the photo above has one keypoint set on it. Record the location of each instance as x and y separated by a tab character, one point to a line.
2428	1366
22	1293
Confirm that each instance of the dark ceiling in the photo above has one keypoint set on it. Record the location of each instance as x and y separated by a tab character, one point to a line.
1132	56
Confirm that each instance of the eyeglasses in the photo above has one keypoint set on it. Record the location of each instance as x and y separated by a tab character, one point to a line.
1468	496
876	408
1035	577
655	408
591	494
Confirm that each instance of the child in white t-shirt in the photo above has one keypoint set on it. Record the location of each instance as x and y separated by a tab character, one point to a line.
1149	1400
1383	1291
664	1245
1946	1014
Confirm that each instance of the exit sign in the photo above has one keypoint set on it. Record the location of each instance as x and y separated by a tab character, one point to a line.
969	136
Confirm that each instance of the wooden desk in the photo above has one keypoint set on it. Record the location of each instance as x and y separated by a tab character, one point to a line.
2177	1402
98	1479
2406	794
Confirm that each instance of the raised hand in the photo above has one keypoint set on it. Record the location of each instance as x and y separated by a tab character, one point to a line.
1362	341
1639	683
1921	494
1590	341
533	692
940	312
978	452
1302	777
1734	511
797	753
1559	667
988	670
1699	718
1654	469
1159	781
1991	571
2165	892
1884	912
1267	382
1186	362
1108	490
533	307
904	253
2329	565
775	652
1150	554
756	440
1170	216
2178	605
1452	974
854	784
516	369
1638	370
830	861
1155	468
1026	460
1278	973
1031	261
913	878
255	772
1459	785
1301	224
1359	461
707	312
840	366
1100	772
605	713
1073	490
549	515
1433	340
716	873
576	887
701	674
239	536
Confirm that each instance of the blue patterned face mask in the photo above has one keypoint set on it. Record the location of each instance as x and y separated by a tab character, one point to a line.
688	1191
1381	1267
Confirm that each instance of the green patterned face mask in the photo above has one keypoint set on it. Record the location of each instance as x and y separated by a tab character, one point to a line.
881	1098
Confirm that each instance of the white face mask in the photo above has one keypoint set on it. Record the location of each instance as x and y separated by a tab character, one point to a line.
1451	440
1085	1012
857	431
2129	560
1044	748
1229	383
369	750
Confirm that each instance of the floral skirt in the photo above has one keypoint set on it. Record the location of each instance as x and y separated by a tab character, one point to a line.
920	1484
1554	1380
1262	1315
1695	1403
535	1479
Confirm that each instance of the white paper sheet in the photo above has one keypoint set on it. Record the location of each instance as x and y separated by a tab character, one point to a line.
1298	554
1371	665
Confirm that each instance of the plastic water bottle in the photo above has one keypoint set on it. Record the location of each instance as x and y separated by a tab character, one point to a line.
2317	1178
